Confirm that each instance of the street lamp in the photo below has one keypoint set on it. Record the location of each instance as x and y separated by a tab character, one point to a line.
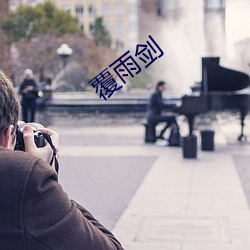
64	51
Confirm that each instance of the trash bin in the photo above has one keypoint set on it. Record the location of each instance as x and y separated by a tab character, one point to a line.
207	140
189	146
150	133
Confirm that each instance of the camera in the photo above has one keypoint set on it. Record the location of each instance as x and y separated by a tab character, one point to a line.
38	137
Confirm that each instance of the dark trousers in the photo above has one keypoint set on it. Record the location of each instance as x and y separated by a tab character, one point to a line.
29	109
168	119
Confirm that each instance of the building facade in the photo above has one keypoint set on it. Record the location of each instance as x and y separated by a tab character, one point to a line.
120	18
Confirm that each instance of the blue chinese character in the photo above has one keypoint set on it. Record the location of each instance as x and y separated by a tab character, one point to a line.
96	80
109	85
111	89
129	65
107	82
148	57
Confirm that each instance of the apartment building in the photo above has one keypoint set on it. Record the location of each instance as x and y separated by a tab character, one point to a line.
120	18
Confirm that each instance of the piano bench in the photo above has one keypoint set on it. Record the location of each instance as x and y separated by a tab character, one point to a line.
150	132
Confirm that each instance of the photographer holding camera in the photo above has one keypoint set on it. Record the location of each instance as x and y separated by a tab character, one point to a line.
35	212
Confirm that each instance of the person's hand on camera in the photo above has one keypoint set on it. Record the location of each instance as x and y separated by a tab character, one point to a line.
45	153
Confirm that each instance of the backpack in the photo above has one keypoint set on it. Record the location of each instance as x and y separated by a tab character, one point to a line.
174	136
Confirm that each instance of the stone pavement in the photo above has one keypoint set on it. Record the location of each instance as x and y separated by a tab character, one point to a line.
175	203
189	204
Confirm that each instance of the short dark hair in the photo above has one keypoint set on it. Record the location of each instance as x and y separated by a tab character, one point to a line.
159	84
9	104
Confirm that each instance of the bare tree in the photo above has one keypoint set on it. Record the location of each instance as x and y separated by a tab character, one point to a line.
40	54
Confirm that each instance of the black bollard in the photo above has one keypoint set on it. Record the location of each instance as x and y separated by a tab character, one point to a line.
189	146
207	140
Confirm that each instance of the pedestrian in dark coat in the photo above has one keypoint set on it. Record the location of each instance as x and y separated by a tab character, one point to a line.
29	92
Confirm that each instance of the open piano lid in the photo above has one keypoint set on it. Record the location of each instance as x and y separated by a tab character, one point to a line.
218	78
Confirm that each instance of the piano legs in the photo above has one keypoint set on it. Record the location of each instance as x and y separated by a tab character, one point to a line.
243	114
241	137
190	123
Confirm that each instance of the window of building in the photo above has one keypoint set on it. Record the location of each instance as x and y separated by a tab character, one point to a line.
119	9
91	27
92	10
79	10
119	26
106	9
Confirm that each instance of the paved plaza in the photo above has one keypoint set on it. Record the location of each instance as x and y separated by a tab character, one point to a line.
149	195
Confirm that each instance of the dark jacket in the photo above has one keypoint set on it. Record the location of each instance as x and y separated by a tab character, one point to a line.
36	214
31	94
155	104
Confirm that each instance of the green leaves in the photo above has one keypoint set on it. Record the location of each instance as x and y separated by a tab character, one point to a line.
100	33
29	21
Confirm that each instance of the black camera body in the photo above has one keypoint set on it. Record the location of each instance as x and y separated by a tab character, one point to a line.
38	138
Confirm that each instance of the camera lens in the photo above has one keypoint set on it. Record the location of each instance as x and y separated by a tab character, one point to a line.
38	137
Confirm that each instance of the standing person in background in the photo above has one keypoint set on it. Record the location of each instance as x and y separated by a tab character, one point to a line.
29	91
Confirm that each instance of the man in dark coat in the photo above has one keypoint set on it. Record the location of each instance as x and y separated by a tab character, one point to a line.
29	91
155	107
35	212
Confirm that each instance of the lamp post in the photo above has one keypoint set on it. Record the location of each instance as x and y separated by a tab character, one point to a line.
64	51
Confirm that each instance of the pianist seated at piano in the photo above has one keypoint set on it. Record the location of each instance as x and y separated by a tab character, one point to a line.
155	108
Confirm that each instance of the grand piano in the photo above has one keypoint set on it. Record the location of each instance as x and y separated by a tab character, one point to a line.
220	89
